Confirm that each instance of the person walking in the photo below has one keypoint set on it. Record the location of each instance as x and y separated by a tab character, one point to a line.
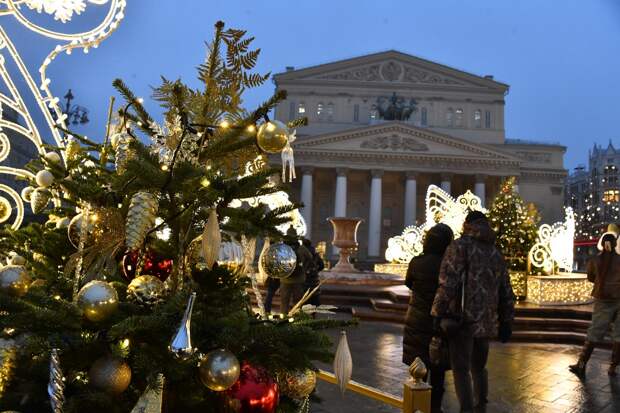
604	272
474	297
292	287
423	280
312	273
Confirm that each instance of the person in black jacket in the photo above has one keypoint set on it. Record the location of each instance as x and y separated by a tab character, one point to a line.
422	279
312	273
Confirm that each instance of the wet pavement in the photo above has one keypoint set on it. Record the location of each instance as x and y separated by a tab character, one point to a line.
528	378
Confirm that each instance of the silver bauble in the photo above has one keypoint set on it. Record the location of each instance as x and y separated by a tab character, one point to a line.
44	178
14	279
219	370
278	261
98	300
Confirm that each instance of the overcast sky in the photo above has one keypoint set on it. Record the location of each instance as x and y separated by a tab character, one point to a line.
561	58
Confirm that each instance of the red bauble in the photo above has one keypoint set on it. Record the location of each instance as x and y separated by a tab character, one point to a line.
152	264
254	392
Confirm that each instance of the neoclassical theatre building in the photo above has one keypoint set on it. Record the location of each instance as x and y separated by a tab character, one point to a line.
385	126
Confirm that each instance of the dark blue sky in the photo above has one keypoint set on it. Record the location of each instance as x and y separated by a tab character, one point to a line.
561	58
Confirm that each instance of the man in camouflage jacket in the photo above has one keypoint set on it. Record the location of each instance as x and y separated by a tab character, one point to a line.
489	303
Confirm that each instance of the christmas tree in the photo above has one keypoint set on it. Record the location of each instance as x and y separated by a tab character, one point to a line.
515	224
142	295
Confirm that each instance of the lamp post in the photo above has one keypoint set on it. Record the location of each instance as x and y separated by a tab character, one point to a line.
76	114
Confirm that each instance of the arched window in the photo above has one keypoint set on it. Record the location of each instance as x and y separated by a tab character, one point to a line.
487	119
450	118
320	110
478	118
459	117
301	109
330	112
423	117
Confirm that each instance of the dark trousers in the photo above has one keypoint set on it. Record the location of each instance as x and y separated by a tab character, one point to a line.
468	358
438	378
272	288
290	294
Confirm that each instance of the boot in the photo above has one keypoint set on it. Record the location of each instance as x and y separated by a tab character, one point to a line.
615	359
579	369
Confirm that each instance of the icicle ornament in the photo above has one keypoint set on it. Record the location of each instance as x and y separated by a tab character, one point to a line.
211	240
151	400
181	344
56	385
343	363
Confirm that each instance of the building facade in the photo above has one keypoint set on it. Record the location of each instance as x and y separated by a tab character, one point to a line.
383	127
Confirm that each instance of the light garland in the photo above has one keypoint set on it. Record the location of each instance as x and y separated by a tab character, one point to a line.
62	10
440	208
559	290
555	245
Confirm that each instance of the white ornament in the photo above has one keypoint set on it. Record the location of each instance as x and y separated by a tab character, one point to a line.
26	193
17	260
555	245
288	159
44	178
52	157
343	363
440	208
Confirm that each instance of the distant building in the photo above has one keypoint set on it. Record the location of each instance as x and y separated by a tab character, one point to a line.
385	126
594	193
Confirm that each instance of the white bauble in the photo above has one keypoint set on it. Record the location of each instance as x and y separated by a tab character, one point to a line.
52	157
26	192
44	178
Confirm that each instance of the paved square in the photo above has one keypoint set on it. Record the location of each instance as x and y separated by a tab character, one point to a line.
529	378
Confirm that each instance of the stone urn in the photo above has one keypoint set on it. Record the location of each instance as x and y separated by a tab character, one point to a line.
345	238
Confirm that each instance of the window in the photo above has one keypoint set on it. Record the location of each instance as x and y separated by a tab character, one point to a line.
487	119
291	111
611	195
301	109
478	118
356	113
320	110
450	117
330	112
423	117
459	117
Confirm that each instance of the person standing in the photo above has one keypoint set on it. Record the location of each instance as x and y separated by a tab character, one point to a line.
292	287
604	272
474	298
423	280
273	284
313	273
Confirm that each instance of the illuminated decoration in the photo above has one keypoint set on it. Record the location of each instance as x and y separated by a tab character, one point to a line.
518	281
567	289
276	200
554	247
45	101
440	208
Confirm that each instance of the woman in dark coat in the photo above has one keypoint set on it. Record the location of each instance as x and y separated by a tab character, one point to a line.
422	280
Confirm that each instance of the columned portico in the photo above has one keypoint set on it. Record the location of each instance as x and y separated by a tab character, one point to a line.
480	188
374	216
306	197
446	182
411	199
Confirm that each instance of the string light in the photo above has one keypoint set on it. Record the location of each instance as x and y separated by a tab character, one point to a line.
567	289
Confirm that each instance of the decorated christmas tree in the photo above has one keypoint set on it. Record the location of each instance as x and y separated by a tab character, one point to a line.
516	224
133	296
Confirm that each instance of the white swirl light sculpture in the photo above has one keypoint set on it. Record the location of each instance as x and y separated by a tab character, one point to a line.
40	93
440	208
554	247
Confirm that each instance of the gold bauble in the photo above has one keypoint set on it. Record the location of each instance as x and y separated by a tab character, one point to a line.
272	136
298	385
14	279
110	374
230	255
5	209
219	370
98	300
102	222
146	290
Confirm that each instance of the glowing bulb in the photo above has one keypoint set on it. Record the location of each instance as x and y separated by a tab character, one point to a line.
205	182
224	124
164	167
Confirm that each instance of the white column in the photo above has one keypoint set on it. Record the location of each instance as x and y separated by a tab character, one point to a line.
516	186
306	198
446	183
480	188
340	204
374	216
411	200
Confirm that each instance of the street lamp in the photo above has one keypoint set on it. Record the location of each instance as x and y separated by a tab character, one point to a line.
76	114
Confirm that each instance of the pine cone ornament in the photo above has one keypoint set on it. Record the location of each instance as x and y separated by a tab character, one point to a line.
39	199
124	153
140	218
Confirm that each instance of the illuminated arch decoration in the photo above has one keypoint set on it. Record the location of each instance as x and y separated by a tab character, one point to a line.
441	207
45	101
554	247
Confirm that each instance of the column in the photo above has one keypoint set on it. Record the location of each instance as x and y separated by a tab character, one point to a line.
480	188
446	182
306	198
516	187
374	216
340	203
411	200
